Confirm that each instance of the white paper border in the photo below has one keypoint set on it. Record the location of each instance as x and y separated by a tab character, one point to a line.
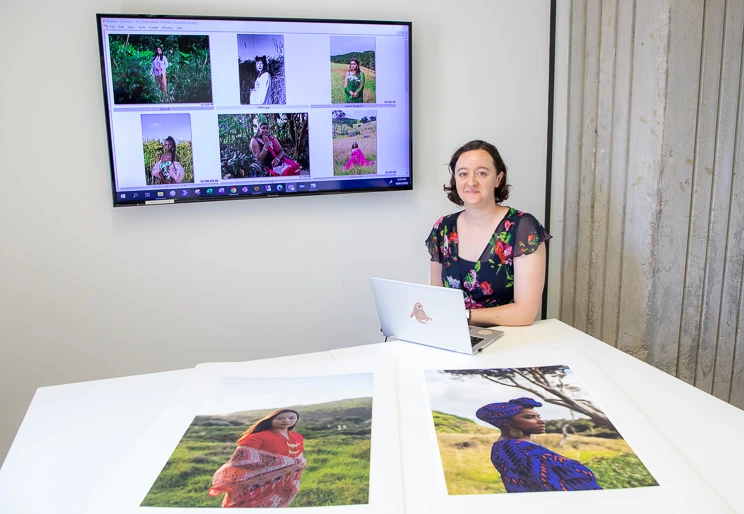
681	488
125	493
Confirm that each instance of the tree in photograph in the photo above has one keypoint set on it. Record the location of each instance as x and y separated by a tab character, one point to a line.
339	120
548	383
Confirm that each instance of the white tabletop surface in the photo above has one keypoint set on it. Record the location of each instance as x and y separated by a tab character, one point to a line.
680	411
74	436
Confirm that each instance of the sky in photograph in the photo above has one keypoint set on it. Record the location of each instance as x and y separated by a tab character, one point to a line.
251	45
463	396
160	126
236	394
341	45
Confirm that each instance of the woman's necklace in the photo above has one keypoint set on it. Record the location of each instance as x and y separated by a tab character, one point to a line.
293	449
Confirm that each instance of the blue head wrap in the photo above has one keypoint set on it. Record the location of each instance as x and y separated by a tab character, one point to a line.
499	413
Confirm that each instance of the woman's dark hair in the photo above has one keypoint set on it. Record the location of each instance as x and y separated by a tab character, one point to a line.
265	422
501	193
359	68
354	145
265	62
173	144
162	54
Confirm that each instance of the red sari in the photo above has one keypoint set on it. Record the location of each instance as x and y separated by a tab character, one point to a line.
264	471
286	166
357	159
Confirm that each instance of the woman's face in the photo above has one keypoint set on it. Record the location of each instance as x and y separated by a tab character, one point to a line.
353	65
168	146
263	130
284	420
528	421
259	66
476	178
158	51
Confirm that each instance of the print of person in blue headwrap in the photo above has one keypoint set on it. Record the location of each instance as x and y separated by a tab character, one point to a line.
526	466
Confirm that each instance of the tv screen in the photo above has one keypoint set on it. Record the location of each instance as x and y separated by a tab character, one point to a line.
204	108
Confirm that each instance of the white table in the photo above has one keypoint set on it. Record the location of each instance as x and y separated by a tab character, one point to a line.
50	466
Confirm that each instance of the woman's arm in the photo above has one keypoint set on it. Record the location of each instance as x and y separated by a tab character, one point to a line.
278	150
435	274
360	90
347	89
257	151
529	280
176	172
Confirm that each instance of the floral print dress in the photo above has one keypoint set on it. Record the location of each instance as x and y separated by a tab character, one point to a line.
489	282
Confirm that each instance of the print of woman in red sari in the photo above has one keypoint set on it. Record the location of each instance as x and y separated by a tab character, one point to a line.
270	154
266	467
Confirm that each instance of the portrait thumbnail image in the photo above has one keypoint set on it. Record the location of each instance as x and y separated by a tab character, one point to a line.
160	69
263	442
261	69
352	70
167	148
354	141
515	430
264	145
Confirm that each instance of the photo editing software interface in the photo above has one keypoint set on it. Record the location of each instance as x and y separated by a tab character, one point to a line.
206	108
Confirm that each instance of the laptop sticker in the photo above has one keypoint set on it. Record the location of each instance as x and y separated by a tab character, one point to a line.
419	314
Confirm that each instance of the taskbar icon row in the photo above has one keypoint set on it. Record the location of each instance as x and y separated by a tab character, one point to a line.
174	193
194	192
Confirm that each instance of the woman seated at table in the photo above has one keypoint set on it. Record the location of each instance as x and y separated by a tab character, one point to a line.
493	253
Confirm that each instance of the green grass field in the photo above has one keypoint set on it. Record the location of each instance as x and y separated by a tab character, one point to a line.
337	470
465	449
337	84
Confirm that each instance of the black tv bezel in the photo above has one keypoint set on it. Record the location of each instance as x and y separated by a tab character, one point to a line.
201	199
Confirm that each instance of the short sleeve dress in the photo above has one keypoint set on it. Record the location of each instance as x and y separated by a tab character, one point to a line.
489	282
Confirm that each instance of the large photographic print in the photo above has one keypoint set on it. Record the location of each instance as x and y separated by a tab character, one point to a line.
149	69
274	442
527	430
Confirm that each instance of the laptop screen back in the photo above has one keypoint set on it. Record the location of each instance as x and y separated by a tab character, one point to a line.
428	315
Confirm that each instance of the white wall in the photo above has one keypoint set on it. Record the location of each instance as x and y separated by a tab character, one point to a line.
88	291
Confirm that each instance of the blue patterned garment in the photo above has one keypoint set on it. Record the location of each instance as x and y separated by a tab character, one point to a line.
529	467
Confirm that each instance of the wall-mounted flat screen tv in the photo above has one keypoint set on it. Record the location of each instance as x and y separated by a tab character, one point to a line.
204	108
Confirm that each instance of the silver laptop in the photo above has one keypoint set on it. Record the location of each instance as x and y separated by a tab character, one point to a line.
428	315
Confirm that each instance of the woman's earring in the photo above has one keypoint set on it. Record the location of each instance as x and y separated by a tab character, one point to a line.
516	434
